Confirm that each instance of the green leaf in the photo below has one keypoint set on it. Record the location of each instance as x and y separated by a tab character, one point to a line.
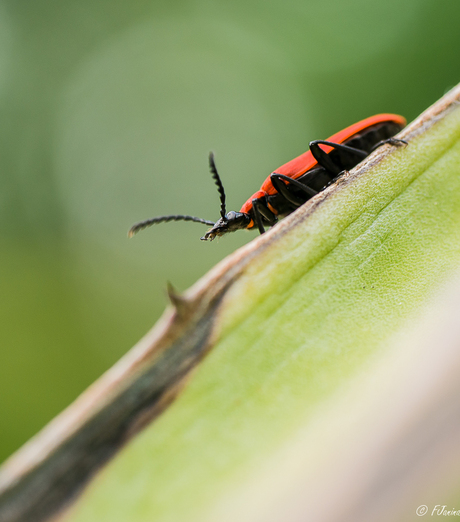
296	316
326	293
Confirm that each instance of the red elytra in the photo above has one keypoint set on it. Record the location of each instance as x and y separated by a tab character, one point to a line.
305	162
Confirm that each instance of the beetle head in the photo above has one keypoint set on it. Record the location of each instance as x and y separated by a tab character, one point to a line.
229	223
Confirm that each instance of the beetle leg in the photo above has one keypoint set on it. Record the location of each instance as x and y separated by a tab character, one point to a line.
283	189
259	211
323	158
257	216
267	214
392	141
298	184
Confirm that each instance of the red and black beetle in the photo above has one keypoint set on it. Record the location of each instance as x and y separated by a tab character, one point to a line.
294	183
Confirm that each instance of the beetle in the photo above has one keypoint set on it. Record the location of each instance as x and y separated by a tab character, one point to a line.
297	181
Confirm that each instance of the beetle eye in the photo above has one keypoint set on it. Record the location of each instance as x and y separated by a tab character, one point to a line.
231	215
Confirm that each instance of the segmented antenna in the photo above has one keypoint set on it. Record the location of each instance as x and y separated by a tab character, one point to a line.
161	219
218	182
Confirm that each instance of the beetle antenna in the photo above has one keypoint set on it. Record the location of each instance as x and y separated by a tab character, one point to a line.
162	219
218	182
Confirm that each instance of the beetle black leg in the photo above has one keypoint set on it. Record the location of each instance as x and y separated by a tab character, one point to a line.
267	214
257	216
298	184
283	189
323	158
392	141
261	211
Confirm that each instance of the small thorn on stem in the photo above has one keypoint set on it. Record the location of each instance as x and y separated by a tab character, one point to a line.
180	303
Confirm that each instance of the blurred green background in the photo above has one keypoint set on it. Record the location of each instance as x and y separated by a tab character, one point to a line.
108	112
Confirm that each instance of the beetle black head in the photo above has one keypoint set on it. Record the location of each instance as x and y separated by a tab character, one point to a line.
229	223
